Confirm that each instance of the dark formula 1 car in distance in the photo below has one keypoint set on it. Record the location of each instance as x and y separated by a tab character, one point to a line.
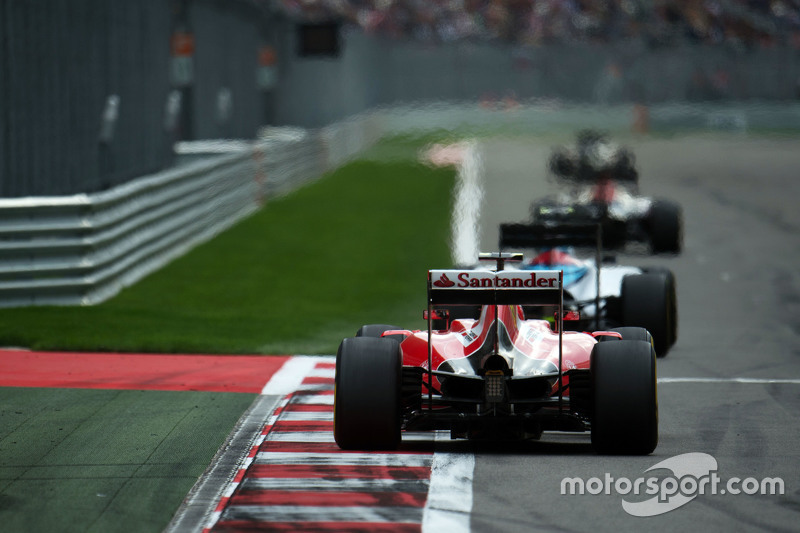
603	187
499	376
604	293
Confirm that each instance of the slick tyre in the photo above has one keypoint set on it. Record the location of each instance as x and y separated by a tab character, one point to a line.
673	292
624	398
367	404
629	334
665	226
649	302
375	330
562	165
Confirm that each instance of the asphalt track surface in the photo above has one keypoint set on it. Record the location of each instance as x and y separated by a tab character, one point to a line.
739	306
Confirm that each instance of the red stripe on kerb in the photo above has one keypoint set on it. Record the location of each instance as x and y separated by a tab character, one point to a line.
339	471
222	504
212	373
302	425
240	475
330	499
302	447
317	380
332	449
315	527
309	408
278	411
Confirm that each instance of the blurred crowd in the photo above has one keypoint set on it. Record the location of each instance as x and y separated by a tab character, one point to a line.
747	23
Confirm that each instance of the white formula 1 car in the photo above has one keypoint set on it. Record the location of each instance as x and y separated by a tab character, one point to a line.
604	294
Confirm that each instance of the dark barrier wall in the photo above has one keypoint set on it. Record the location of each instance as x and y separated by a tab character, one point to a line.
226	100
88	94
63	66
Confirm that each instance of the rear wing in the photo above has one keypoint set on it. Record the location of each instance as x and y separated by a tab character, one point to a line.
486	287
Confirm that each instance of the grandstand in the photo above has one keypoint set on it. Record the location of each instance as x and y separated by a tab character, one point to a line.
748	23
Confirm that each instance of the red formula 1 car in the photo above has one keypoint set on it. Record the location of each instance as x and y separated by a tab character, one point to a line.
498	376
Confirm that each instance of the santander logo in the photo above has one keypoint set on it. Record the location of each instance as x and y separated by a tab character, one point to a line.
443	281
470	279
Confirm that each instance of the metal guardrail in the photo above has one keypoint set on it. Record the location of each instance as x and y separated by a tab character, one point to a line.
85	248
82	249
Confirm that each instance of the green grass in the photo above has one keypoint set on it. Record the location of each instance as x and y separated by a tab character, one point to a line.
298	276
105	460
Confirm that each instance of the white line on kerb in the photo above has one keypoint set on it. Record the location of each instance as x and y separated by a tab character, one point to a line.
762	381
449	502
291	375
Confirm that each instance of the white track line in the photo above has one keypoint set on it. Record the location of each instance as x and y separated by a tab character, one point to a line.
300	436
465	222
449	502
314	400
307	416
761	381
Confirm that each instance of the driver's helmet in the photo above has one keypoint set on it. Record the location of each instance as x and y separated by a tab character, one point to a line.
590	137
598	156
559	258
596	152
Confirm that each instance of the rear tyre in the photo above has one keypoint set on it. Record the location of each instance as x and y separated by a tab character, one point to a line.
624	398
629	334
673	291
562	165
665	225
648	301
375	330
366	411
